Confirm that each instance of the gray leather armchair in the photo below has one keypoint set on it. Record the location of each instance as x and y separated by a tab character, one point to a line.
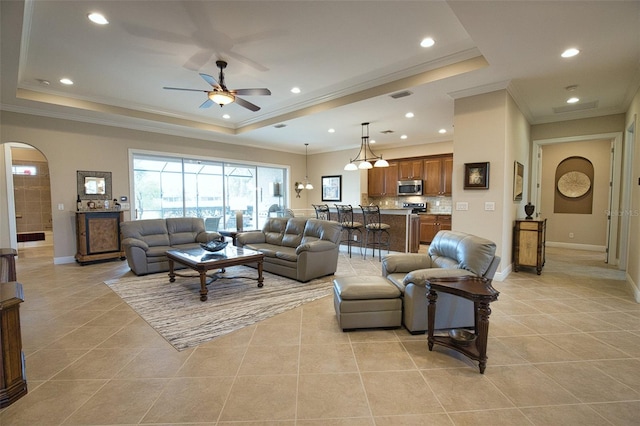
451	254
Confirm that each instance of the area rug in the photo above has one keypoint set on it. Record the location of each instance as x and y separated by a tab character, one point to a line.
175	311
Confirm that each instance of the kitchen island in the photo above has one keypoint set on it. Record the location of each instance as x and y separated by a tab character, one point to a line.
405	227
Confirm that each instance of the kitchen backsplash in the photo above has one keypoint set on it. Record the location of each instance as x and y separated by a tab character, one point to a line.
435	205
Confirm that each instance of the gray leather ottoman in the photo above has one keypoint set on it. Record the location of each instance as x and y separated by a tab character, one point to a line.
366	302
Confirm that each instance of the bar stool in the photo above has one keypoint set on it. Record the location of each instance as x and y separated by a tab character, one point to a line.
378	230
345	217
322	211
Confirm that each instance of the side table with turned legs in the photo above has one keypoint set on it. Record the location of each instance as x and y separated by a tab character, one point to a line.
481	293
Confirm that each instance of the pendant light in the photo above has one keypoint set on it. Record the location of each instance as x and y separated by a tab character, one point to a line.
306	168
299	186
366	155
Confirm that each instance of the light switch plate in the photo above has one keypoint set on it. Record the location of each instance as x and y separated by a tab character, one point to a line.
489	205
462	205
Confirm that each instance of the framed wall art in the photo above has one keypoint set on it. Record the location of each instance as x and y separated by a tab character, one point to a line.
518	181
476	176
332	188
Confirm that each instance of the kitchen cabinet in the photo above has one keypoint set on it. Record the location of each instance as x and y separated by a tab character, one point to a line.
98	236
437	174
383	181
528	243
410	170
430	224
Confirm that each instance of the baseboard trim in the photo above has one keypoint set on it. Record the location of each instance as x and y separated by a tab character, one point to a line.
633	288
574	246
62	260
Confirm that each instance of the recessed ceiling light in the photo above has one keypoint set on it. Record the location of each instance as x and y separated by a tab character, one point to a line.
97	18
66	81
403	137
573	100
427	42
409	115
295	90
442	131
331	130
226	116
570	52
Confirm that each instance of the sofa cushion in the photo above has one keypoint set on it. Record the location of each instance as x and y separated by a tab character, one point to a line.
184	230
287	253
293	232
316	229
151	231
274	230
452	249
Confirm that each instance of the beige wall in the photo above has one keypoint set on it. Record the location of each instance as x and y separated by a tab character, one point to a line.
588	229
633	258
489	128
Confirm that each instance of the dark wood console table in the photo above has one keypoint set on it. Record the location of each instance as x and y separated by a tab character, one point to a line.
13	380
481	293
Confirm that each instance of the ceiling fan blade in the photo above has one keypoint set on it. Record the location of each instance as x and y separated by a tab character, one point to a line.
206	104
251	92
212	81
189	90
247	105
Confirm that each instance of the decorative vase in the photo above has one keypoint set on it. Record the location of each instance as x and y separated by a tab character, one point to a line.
529	209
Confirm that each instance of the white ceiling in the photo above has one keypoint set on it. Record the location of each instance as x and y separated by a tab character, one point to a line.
346	56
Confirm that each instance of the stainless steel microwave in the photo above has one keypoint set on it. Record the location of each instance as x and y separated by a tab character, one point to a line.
409	187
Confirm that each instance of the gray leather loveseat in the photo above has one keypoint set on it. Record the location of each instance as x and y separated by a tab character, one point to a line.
146	241
296	247
451	254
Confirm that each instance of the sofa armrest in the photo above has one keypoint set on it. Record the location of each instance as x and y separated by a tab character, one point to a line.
206	236
316	246
420	277
404	262
245	238
134	242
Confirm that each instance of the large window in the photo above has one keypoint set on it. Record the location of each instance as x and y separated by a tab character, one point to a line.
217	191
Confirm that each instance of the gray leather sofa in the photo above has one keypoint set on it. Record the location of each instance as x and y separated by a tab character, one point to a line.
451	254
146	241
296	247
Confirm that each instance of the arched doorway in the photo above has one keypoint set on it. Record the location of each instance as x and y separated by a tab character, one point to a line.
27	201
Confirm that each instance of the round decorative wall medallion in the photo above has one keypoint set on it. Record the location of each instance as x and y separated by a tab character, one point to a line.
574	184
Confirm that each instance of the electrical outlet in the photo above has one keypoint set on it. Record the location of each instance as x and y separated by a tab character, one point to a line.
355	238
570	234
60	206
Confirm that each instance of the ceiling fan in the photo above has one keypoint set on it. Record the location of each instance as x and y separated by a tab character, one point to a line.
221	95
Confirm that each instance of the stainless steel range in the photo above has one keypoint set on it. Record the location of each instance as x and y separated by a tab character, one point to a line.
416	207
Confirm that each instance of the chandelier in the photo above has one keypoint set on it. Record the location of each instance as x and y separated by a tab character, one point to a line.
366	155
299	186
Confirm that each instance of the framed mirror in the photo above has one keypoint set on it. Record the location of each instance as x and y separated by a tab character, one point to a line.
94	185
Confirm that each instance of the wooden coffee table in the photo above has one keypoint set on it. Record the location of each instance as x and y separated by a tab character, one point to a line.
203	261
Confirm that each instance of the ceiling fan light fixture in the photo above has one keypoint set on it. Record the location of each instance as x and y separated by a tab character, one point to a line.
221	98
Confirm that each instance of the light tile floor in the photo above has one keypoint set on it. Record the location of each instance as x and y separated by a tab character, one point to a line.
564	349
